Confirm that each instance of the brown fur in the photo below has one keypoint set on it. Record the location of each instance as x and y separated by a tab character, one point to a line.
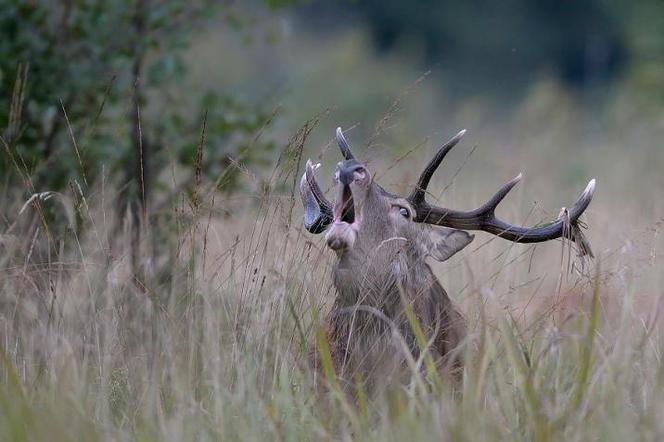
367	329
382	241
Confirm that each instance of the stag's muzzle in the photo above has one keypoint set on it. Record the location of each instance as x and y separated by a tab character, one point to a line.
349	171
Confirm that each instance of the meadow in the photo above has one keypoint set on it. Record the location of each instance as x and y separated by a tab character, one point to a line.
196	325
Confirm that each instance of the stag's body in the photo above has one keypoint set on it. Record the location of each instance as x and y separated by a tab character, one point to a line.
382	242
369	335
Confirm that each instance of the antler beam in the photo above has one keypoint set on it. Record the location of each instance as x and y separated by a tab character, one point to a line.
484	218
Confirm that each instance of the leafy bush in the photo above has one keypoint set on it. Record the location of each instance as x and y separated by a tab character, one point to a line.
76	79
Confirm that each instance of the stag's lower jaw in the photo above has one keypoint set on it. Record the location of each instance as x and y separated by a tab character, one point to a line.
341	235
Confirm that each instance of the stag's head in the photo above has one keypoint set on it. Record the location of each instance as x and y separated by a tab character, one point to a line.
365	217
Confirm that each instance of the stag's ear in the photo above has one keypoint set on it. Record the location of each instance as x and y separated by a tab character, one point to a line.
442	243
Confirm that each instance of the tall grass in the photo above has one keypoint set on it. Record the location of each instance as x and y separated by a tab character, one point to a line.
208	338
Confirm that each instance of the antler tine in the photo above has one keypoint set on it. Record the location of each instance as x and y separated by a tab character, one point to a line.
417	195
490	206
343	145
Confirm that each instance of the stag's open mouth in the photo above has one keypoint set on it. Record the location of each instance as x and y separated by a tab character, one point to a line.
342	233
344	208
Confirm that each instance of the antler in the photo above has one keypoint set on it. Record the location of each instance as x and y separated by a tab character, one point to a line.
484	218
317	209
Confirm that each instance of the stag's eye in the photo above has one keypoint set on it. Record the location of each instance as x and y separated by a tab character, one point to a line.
404	212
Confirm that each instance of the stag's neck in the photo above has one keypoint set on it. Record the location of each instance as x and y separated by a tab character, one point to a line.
379	281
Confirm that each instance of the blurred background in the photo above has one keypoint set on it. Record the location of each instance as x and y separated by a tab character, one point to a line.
122	94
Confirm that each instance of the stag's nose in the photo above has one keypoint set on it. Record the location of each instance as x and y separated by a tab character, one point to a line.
350	170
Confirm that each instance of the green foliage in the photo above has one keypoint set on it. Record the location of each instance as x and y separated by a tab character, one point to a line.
55	60
645	35
233	135
526	35
498	47
72	74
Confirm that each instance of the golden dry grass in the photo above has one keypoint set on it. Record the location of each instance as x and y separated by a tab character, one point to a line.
207	340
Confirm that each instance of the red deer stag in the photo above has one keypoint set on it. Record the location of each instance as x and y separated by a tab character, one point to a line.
381	241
